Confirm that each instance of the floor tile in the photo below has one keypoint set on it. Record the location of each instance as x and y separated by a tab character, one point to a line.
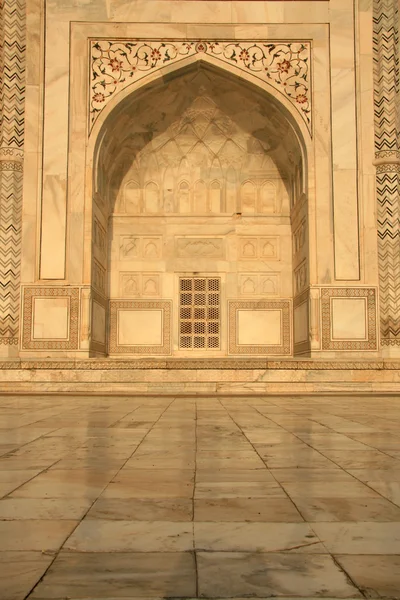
327	489
232	574
360	459
241	489
74	483
38	535
149	489
264	509
359	538
347	509
302	459
24	569
376	475
310	475
97	535
102	575
388	489
235	475
142	509
376	576
256	537
44	508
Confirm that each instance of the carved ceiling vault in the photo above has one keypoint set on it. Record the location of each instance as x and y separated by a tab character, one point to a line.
193	145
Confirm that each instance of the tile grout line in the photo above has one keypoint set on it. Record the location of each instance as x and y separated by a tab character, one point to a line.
266	467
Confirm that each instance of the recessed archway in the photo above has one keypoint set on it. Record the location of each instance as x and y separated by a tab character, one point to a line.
200	182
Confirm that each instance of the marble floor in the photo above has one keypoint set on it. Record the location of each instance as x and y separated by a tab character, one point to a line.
135	497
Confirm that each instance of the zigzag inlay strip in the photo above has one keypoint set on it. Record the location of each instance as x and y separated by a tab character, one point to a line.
386	106
12	100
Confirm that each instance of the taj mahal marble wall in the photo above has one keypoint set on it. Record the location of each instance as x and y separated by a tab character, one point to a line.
201	180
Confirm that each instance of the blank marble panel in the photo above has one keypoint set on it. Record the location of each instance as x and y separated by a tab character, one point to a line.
300	323
50	318
99	323
349	319
259	327
140	327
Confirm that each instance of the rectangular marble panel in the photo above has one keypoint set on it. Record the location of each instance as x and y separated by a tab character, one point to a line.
349	316
140	327
259	327
98	323
300	315
50	318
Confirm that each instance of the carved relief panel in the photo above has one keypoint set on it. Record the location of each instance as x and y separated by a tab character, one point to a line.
203	163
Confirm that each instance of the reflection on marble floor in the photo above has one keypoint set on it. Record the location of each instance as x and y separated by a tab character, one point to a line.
134	497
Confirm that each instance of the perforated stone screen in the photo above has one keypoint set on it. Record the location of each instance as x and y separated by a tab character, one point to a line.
199	313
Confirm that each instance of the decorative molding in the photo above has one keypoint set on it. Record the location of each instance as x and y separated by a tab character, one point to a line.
326	314
29	294
164	305
263	305
284	65
387	154
262	364
12	124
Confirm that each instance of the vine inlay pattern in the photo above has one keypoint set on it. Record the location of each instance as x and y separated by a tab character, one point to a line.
115	64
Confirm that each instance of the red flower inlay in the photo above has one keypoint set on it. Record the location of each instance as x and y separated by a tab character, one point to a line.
115	64
99	97
284	66
244	55
156	54
301	98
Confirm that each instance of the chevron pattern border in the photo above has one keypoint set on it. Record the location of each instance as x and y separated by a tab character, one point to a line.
387	155
12	100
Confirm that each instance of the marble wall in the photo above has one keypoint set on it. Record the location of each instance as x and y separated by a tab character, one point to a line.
239	148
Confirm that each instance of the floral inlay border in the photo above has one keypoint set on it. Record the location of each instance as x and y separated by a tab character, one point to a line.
115	64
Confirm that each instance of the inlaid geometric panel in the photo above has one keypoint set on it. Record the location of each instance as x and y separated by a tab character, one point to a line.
348	318
41	305
12	130
199	313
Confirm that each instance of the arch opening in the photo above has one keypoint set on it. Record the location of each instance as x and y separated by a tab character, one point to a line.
200	181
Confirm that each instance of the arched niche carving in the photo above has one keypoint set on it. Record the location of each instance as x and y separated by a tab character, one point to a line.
267	200
202	146
184	200
151	198
132	198
215	205
248	197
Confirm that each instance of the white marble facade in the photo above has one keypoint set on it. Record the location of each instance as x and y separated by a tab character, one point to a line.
199	181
